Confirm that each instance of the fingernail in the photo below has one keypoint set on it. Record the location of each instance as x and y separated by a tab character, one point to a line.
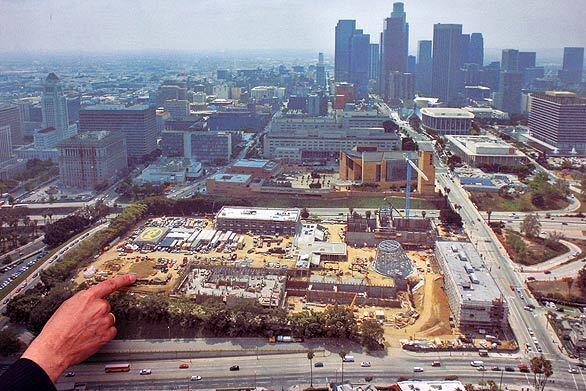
132	277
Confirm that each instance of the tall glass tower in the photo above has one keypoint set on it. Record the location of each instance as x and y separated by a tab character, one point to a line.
394	45
54	105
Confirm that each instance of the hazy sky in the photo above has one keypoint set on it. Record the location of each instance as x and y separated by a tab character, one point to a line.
111	25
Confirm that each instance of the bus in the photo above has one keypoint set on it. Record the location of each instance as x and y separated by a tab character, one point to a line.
117	368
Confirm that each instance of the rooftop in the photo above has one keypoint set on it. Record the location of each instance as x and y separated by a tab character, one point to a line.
269	214
447	112
98	138
252	163
485	145
467	268
116	107
231	178
420	385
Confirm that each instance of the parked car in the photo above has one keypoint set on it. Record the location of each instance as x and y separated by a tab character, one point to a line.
235	368
417	369
365	364
318	364
145	371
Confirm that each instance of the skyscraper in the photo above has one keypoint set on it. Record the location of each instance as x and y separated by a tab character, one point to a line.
5	143
320	71
411	64
359	62
465	49
394	45
10	116
573	65
424	67
476	49
510	60
374	61
138	123
447	57
344	31
54	106
527	60
508	97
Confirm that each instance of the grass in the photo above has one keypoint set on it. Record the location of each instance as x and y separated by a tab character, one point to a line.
373	202
557	289
497	203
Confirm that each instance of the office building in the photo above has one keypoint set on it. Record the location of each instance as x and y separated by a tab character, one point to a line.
401	86
411	64
137	123
92	159
317	105
445	121
170	90
510	60
204	146
474	297
558	119
178	109
573	65
10	116
257	168
508	97
359	63
170	170
490	75
259	220
223	74
374	61
527	60
5	143
465	50
343	51
73	108
320	72
476	49
394	45
483	150
54	105
424	67
345	93
446	69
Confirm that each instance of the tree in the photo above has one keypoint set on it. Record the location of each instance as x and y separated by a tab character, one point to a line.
581	281
342	353
542	371
310	356
449	217
304	213
468	387
531	227
9	342
371	334
583	187
569	282
368	214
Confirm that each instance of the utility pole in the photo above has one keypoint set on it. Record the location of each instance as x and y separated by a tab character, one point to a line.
501	382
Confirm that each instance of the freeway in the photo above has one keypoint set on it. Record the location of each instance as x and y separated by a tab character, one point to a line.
286	370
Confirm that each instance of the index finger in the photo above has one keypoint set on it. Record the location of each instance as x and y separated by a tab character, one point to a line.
107	287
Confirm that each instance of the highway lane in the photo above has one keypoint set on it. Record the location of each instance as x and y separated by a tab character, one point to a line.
292	369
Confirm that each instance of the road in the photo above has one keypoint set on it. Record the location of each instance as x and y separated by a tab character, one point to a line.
286	370
32	279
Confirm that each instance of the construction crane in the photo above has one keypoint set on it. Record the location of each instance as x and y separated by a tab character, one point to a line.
410	165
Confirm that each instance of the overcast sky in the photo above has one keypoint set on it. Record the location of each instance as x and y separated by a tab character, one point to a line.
111	25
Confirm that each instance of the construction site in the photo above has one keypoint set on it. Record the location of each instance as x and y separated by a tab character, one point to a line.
382	266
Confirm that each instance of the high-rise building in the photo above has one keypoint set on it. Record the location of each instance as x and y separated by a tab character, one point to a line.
359	62
374	61
476	49
73	107
508	97
401	86
10	116
465	49
344	31
447	57
54	105
573	67
527	60
559	119
394	45
178	109
510	60
317	105
412	64
5	143
90	159
424	67
138	123
320	71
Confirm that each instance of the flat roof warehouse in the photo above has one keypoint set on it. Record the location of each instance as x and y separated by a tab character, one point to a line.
266	214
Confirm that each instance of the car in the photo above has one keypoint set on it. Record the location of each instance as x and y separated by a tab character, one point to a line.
70	374
509	369
235	368
183	366
451	378
547	272
481	369
318	364
145	371
573	370
436	364
195	378
564	223
365	364
496	369
417	369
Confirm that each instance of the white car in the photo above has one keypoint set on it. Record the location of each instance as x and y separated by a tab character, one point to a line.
195	378
417	369
365	364
145	371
